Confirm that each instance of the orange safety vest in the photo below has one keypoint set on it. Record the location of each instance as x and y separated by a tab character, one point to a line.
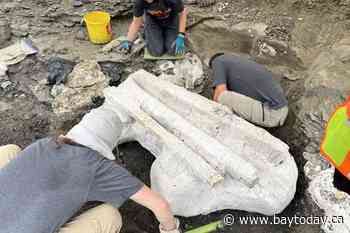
335	145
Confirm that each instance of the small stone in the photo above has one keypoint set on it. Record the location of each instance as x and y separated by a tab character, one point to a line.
113	44
206	3
3	70
68	24
112	70
339	195
293	77
57	89
77	3
5	84
269	50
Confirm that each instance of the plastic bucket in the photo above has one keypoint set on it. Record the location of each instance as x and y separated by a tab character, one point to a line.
99	28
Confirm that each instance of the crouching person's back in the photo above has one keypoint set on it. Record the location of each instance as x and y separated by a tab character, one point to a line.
43	186
47	183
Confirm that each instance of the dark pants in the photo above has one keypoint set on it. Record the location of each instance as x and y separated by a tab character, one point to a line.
160	36
341	182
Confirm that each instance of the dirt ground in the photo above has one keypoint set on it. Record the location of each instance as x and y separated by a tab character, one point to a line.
24	119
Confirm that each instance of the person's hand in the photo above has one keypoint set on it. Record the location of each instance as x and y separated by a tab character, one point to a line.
219	89
125	46
180	44
176	230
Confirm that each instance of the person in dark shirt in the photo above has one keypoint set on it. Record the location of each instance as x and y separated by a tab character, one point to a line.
165	25
249	90
44	185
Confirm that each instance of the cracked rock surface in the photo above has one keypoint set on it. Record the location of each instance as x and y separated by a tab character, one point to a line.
84	83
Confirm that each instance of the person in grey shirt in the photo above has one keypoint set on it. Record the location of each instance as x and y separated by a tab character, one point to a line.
44	185
249	90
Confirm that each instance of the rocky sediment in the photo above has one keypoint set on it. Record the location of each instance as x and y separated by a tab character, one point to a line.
35	18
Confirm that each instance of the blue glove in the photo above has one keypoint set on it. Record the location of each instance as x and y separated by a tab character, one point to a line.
180	44
125	46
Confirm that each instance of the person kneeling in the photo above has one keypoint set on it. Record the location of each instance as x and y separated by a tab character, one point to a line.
249	90
165	25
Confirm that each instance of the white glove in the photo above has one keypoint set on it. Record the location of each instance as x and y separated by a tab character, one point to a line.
176	230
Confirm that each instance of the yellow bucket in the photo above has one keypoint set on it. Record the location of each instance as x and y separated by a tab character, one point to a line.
99	28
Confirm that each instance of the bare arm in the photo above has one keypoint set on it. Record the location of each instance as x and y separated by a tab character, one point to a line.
219	89
158	205
182	21
134	28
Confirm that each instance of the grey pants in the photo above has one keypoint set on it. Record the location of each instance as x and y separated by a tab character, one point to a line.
253	110
160	37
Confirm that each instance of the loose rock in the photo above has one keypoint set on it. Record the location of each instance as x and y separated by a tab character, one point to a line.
186	73
3	70
59	69
113	70
85	82
5	85
77	3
